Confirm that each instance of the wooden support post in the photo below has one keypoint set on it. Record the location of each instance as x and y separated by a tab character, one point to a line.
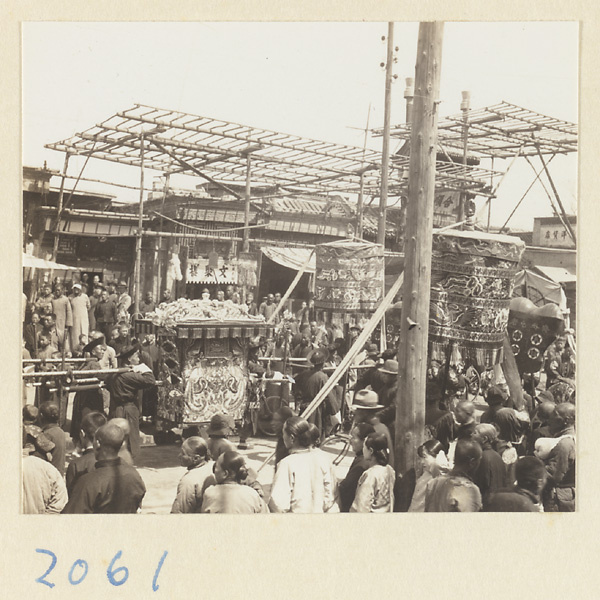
464	106
61	194
360	207
412	354
385	155
138	239
246	234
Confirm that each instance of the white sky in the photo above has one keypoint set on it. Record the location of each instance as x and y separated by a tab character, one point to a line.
311	79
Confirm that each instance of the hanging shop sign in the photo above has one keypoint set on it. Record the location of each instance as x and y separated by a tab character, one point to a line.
200	271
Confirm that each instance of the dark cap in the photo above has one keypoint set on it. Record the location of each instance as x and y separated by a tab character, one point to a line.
129	351
219	425
91	345
318	356
373	350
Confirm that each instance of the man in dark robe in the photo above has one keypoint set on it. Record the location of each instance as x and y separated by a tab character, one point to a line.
113	486
124	388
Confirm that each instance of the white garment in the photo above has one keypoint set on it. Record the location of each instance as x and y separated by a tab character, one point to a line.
329	479
300	484
80	305
44	489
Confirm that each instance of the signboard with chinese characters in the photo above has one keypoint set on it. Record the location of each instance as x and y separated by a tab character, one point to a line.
199	271
445	208
555	236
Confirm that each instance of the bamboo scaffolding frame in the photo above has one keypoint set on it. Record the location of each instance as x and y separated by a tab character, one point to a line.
495	130
216	150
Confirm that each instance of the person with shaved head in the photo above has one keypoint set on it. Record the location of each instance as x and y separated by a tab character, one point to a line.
194	456
113	486
540	427
464	417
124	453
560	463
492	474
455	491
49	423
85	463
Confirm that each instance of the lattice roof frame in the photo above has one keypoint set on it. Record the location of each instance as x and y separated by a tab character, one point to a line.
500	130
278	160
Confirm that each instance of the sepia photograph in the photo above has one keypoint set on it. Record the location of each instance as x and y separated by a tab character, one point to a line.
299	267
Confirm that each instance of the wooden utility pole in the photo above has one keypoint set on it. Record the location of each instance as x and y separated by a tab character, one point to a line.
385	157
412	354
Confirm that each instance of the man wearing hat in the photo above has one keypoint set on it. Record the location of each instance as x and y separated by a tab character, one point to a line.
80	305
315	380
124	388
365	407
91	400
373	377
219	428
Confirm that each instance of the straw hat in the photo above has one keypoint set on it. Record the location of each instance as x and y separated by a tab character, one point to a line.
366	400
390	367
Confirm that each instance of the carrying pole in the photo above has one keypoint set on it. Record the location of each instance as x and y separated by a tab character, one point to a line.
412	354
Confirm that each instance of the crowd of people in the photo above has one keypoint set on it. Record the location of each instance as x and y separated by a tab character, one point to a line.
481	450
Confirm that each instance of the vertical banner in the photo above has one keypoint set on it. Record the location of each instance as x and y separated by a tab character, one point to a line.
349	276
472	278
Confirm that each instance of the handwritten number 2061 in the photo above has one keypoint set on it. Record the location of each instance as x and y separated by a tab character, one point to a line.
79	570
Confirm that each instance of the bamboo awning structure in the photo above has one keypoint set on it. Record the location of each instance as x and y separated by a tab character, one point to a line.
180	143
500	130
